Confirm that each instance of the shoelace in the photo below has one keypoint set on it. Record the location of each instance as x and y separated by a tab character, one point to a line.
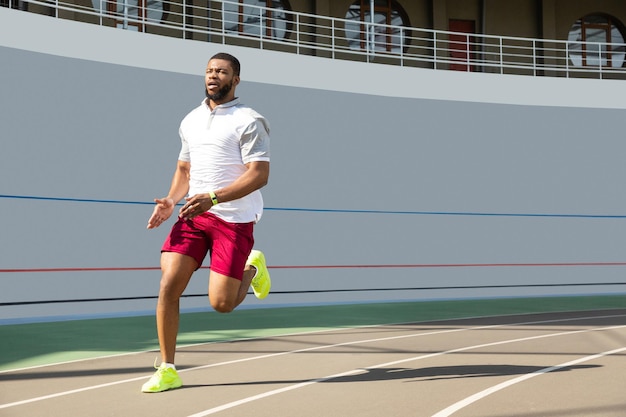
256	278
256	282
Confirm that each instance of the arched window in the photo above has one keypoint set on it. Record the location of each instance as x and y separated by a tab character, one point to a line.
261	18
386	35
133	14
597	40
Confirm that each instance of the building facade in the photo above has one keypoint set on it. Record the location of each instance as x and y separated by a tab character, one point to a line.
389	182
466	35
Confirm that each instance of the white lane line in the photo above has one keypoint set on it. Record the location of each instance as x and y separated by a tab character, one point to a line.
383	365
252	358
74	391
270	393
482	394
234	361
184	346
119	382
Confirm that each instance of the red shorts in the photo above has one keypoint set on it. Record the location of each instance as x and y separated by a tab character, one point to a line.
229	243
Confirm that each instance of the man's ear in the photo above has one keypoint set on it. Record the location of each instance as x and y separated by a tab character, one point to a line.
236	80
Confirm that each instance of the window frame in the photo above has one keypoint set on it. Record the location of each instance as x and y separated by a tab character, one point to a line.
268	17
580	54
142	17
388	10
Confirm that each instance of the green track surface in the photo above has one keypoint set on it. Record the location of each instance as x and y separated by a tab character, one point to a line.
34	344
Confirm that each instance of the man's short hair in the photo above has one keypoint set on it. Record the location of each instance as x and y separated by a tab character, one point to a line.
234	62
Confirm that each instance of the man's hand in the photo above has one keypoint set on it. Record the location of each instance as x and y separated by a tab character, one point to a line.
162	211
195	205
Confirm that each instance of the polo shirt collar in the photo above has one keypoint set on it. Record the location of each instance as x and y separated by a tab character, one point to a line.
231	103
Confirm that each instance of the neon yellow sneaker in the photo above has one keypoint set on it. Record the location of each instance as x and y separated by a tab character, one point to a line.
163	379
261	282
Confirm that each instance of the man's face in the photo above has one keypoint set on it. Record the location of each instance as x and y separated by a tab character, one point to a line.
220	81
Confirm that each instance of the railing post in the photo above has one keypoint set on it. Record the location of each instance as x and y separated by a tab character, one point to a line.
184	14
534	58
401	47
371	32
125	24
600	60
368	41
332	37
501	57
567	60
223	23
435	50
261	24
468	60
297	34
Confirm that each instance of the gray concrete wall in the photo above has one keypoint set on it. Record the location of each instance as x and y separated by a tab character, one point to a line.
387	183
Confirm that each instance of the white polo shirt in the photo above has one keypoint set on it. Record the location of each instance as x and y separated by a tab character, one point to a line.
218	144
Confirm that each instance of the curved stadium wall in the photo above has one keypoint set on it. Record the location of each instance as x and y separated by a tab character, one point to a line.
388	183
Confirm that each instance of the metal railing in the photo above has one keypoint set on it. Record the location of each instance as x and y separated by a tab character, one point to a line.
307	34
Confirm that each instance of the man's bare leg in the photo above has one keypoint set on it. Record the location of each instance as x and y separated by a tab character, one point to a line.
176	270
226	293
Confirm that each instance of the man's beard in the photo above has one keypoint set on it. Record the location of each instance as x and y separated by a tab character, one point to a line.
221	93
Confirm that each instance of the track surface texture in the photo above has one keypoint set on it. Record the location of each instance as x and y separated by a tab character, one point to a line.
492	360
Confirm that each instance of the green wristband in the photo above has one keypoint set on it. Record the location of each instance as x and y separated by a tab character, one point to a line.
213	198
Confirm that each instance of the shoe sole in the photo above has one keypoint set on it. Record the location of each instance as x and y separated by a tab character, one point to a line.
163	390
